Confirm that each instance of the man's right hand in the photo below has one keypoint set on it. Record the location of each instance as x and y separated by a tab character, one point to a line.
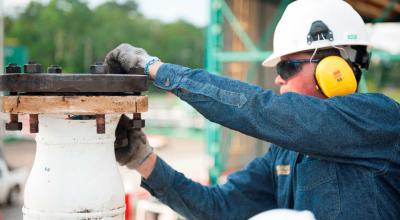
125	57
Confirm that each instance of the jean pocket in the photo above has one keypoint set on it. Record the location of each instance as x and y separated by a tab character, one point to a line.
317	189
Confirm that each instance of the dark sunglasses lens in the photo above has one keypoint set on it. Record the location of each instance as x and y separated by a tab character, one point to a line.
287	69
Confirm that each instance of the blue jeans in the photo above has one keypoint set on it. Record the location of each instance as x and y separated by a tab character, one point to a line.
338	157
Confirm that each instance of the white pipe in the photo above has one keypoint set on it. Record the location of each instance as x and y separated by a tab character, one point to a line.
74	175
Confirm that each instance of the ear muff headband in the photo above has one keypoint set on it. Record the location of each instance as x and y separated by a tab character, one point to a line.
335	77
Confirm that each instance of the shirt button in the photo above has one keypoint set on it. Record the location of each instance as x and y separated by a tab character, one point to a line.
167	82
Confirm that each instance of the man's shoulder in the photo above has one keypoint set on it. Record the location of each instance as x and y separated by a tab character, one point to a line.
372	96
389	100
365	101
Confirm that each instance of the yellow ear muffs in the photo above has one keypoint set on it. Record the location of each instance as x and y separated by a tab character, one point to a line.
335	77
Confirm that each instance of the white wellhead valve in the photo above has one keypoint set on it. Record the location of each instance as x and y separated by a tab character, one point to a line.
74	175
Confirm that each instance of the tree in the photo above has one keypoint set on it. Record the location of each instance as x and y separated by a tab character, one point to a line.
68	33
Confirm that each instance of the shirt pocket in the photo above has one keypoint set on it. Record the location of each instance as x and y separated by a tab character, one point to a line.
317	189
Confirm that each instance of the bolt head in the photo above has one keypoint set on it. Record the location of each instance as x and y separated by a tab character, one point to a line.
54	69
13	68
99	68
32	67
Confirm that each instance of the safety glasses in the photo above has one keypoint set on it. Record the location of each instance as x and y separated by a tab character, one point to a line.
289	68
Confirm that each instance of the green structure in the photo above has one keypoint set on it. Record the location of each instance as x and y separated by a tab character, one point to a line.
15	54
222	15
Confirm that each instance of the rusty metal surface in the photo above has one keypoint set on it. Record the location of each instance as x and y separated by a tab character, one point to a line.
73	83
137	121
101	124
14	125
34	123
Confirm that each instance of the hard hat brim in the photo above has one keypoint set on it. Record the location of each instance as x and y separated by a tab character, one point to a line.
272	60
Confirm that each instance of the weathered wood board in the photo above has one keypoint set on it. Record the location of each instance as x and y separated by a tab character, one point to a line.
83	105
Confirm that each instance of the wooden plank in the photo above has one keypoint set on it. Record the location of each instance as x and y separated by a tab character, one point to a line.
142	104
82	105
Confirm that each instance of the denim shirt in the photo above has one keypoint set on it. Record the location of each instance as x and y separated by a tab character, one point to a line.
337	157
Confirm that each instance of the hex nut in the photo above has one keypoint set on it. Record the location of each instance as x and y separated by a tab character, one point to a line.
32	67
138	123
14	126
54	69
99	68
13	68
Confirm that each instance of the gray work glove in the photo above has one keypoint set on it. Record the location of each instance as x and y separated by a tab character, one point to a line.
131	145
125	57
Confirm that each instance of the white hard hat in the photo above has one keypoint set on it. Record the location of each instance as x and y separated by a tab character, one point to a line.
311	24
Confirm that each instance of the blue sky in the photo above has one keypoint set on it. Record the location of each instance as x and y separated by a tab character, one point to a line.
194	11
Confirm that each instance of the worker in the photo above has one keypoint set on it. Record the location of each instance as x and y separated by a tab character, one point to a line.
334	152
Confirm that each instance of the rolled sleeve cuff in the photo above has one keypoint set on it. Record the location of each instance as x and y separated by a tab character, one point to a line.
169	76
160	180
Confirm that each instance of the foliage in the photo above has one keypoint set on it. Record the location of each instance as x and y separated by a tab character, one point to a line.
69	33
383	76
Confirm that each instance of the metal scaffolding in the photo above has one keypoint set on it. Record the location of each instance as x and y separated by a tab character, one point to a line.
218	56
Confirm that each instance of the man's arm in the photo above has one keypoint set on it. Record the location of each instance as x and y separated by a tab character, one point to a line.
245	194
362	127
358	126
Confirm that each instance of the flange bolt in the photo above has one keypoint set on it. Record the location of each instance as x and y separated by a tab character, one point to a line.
32	67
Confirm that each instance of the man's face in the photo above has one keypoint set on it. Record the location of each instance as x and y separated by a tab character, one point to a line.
303	82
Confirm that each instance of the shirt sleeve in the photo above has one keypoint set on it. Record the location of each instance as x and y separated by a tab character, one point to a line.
246	193
358	128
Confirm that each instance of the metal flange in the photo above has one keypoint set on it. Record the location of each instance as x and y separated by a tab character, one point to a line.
73	83
80	94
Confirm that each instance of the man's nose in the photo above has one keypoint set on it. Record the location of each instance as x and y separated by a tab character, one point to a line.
279	81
